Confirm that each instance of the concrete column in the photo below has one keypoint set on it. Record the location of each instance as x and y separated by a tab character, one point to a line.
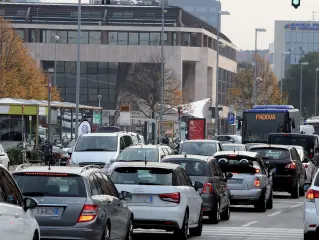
199	40
104	39
178	38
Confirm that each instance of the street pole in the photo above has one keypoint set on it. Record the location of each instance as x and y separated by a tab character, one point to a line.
99	97
162	74
77	87
300	96
282	57
255	71
56	38
217	74
316	91
49	111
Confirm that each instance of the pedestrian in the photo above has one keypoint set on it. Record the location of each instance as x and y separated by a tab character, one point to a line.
165	140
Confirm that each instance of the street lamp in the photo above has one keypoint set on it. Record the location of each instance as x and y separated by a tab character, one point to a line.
316	91
99	97
255	68
162	76
220	13
300	96
56	39
50	70
282	63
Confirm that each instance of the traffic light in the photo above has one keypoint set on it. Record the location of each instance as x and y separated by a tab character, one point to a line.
295	3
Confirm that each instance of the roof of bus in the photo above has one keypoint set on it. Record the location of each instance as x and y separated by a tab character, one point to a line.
270	110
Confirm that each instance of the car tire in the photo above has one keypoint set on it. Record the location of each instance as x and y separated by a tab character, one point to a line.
270	201
182	233
107	232
261	206
225	215
35	236
197	231
129	232
295	191
309	236
214	214
301	192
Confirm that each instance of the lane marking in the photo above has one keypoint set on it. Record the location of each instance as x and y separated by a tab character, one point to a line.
274	214
297	205
248	224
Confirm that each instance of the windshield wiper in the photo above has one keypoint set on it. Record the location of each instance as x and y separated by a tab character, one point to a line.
41	194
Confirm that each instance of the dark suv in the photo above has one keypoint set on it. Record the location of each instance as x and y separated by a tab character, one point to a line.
290	174
215	196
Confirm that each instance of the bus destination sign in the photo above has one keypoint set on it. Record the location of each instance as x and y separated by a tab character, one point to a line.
265	117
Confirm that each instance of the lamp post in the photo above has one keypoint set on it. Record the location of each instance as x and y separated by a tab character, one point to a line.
220	13
56	39
255	67
78	72
300	96
316	91
50	70
282	64
99	97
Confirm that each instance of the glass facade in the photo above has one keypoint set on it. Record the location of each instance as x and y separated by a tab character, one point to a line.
97	78
226	81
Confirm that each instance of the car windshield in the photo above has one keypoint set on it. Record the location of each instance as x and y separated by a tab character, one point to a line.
230	147
272	153
142	176
192	167
199	148
139	154
97	143
55	186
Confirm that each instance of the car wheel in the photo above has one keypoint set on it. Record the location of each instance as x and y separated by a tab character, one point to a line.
270	201
262	203
107	232
129	233
225	215
301	191
309	236
182	233
295	191
35	236
197	231
214	213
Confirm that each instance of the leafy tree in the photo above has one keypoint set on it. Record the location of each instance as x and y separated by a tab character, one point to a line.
292	86
268	91
20	75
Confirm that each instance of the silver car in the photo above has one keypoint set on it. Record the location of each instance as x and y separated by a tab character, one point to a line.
76	203
251	183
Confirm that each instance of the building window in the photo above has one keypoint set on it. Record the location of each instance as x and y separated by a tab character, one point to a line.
72	37
144	38
20	33
63	37
32	36
133	38
112	38
95	37
185	39
122	38
155	38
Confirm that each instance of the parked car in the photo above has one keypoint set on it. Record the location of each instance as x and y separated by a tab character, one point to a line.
228	138
311	208
4	159
233	147
308	163
200	147
161	197
251	183
76	203
99	148
17	221
290	174
215	195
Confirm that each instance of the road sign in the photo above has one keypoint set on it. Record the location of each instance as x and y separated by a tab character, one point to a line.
231	118
231	108
125	108
97	119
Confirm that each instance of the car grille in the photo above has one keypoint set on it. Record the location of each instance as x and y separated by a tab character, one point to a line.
97	164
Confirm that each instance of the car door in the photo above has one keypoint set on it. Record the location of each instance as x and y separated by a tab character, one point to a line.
266	177
220	184
301	169
107	204
13	210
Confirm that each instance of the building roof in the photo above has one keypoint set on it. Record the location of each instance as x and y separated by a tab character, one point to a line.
119	15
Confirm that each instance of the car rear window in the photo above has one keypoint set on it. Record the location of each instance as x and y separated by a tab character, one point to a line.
139	154
233	147
240	165
55	185
192	167
272	153
303	141
142	176
199	148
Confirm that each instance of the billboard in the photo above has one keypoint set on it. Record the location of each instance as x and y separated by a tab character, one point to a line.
196	128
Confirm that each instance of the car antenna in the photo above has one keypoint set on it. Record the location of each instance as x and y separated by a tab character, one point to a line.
145	159
185	156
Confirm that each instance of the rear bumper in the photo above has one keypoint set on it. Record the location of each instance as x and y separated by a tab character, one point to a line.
165	217
70	233
284	182
311	218
209	201
242	197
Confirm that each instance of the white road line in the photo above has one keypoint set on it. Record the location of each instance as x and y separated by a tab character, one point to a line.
274	214
248	224
297	205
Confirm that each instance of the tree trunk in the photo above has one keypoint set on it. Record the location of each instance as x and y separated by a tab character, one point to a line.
154	129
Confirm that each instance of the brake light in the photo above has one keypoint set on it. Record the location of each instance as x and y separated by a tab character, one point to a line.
89	213
311	195
170	197
291	165
46	174
232	155
207	188
257	182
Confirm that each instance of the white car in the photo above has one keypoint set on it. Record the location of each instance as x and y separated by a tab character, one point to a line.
308	163
161	196
17	221
4	159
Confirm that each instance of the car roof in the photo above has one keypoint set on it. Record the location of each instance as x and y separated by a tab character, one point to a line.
241	153
115	134
292	134
148	165
272	146
147	146
202	140
233	144
185	156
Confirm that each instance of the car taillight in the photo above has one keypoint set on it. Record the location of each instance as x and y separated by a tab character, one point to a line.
89	213
257	182
311	195
207	188
170	197
291	165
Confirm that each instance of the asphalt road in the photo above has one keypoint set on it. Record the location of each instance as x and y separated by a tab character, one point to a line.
284	221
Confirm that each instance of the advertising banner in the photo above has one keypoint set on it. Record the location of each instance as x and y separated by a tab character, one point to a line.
196	128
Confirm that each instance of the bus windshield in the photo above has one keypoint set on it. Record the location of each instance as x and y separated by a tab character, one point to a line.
257	125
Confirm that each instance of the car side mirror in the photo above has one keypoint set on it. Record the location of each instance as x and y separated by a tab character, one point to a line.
124	195
306	186
112	160
29	203
198	185
229	175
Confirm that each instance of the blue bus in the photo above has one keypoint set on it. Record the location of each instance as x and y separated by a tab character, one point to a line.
261	120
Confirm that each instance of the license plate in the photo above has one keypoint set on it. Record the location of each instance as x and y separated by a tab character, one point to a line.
46	211
142	199
235	181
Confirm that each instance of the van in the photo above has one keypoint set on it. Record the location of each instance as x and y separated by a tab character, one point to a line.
307	129
99	148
